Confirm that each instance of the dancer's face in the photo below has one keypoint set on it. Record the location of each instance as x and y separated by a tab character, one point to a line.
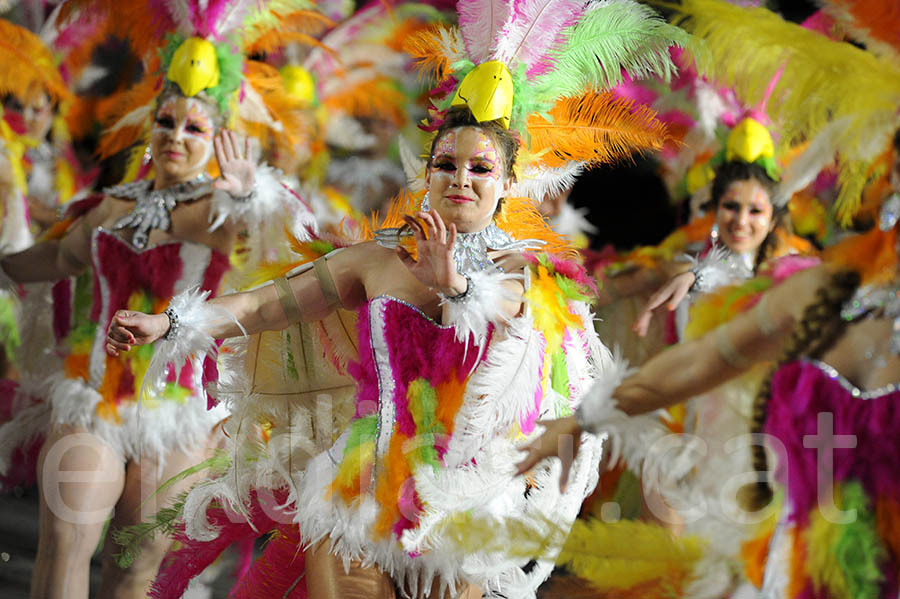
35	108
744	216
466	178
181	141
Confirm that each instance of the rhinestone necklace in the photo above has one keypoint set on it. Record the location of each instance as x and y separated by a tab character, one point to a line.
470	252
153	207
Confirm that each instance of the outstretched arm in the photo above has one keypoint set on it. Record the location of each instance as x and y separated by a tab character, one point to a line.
689	369
272	307
56	259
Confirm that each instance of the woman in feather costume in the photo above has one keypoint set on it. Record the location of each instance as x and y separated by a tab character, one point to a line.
466	335
137	245
829	407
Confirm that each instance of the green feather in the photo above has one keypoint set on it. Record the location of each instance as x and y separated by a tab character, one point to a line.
9	329
217	464
131	538
858	550
559	381
611	37
361	430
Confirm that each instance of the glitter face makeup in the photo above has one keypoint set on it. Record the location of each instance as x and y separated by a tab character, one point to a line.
466	178
744	216
182	138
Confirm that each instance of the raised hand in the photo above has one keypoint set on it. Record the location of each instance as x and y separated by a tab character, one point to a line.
129	328
434	265
670	294
236	168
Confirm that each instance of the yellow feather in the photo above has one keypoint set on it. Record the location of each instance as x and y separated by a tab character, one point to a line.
822	83
610	555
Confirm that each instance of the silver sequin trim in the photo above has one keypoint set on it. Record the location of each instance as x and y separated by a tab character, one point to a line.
855	391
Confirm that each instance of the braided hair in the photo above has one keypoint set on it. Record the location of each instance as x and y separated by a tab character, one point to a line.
819	328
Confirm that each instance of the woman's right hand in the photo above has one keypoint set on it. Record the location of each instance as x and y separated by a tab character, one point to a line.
130	328
670	294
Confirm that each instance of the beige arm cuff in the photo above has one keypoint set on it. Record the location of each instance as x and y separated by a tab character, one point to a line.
329	289
288	298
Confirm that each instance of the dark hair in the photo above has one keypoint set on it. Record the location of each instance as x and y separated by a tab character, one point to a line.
897	141
730	172
506	141
817	331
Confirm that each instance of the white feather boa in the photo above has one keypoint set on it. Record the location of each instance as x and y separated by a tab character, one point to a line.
271	200
718	268
481	306
190	339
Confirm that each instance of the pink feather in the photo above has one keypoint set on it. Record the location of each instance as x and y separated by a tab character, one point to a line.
183	564
182	13
274	574
535	28
480	22
225	16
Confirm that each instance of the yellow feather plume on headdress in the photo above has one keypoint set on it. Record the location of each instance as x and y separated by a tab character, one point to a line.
26	62
826	87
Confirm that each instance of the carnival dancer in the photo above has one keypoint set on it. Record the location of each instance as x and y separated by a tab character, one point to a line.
817	321
749	230
839	367
463	340
138	245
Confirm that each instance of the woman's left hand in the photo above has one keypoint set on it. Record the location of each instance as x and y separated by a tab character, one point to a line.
562	439
434	265
236	168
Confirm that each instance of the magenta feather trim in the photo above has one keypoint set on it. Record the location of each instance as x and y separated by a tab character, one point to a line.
193	557
278	572
800	392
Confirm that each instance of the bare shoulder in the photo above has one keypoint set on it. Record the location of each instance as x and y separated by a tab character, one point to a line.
364	254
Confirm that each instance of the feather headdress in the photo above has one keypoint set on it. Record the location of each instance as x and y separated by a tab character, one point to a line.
223	32
539	66
842	99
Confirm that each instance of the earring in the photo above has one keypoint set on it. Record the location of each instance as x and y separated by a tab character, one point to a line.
714	234
426	203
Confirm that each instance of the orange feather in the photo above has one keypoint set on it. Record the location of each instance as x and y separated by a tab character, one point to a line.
594	129
25	61
425	47
376	98
111	109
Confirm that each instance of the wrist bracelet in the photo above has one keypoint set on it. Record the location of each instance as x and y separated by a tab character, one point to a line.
698	278
173	323
462	297
247	196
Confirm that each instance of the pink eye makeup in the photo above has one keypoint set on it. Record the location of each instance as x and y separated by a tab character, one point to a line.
198	123
446	146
